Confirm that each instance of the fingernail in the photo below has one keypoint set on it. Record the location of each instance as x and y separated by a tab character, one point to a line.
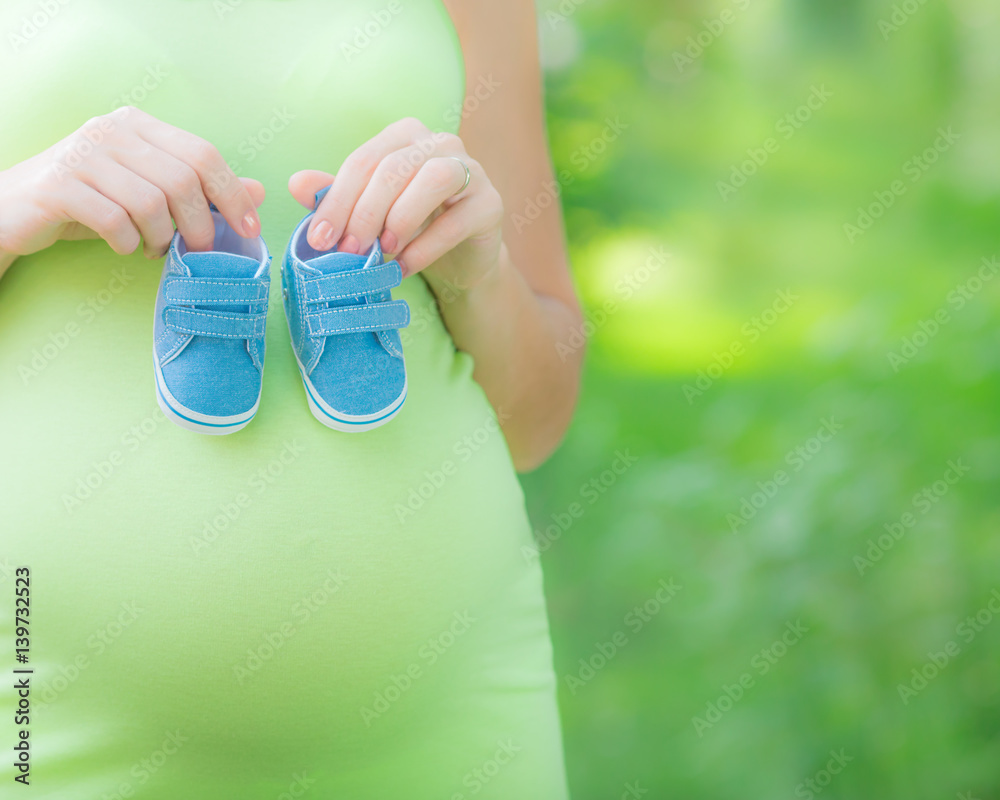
405	270
350	244
322	236
251	224
389	242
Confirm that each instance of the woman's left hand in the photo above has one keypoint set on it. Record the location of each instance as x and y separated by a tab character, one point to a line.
405	187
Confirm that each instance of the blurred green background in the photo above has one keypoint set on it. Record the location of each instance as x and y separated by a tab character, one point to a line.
643	139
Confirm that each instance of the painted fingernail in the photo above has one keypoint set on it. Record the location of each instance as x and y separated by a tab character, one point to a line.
389	242
350	244
322	236
251	224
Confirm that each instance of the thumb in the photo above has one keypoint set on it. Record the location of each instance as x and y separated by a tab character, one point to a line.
304	184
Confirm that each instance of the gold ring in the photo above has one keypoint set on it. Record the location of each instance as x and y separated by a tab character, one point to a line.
468	174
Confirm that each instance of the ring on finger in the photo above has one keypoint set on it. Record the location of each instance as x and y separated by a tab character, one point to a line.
468	174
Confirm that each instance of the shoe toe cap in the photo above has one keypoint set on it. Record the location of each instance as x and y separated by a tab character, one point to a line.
213	377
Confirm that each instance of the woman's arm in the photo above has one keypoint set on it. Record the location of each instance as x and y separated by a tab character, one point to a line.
514	323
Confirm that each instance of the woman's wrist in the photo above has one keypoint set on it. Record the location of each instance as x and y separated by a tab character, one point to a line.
459	289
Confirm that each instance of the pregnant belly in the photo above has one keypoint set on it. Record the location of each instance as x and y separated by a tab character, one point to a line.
285	597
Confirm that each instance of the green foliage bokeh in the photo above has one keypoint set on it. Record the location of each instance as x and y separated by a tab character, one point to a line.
694	374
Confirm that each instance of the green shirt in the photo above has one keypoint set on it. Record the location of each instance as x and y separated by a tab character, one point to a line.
289	609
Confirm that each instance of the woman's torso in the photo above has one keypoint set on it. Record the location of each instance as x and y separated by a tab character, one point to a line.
225	616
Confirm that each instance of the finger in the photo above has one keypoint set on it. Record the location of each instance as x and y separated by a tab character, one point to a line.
398	170
435	183
145	203
181	186
256	190
180	183
219	183
463	220
304	184
84	205
327	227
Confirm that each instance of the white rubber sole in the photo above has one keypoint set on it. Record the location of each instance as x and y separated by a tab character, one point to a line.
193	421
347	423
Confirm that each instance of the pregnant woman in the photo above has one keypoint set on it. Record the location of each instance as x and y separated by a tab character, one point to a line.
289	611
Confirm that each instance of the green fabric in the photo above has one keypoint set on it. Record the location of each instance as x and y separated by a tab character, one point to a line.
289	603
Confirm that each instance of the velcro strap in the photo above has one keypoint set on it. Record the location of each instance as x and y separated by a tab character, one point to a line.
215	291
352	283
378	317
221	324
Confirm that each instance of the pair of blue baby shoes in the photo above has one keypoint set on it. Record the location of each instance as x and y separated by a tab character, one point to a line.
211	318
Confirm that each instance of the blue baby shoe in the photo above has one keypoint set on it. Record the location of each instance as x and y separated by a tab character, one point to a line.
208	332
344	329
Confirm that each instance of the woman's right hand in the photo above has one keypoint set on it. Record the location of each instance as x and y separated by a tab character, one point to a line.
124	177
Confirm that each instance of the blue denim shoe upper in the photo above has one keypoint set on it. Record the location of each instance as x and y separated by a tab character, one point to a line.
344	330
208	333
